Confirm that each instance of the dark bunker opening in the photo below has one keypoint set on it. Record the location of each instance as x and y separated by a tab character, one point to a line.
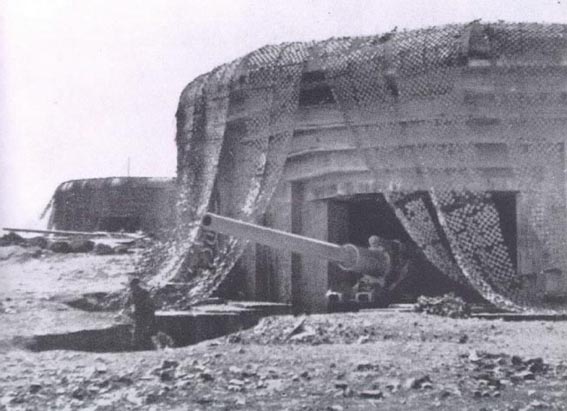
355	218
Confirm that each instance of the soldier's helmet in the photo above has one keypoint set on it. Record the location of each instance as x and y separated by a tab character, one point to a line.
375	242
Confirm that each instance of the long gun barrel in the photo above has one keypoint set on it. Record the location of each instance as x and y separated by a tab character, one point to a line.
350	257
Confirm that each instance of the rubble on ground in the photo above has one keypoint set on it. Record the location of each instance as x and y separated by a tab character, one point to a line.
211	379
78	244
81	245
448	305
103	249
61	247
345	328
490	373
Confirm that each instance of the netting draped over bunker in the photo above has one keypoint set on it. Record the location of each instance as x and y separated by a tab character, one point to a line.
236	124
259	95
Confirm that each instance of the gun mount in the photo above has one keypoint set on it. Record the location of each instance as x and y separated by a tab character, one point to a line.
349	257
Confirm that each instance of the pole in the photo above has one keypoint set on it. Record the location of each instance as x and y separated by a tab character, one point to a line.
72	233
276	238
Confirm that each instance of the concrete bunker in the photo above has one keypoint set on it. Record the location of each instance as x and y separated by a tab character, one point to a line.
114	204
469	118
304	137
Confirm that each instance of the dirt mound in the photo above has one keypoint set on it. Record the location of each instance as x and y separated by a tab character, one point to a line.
345	328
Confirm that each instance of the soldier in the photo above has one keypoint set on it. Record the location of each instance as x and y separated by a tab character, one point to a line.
144	316
373	284
382	287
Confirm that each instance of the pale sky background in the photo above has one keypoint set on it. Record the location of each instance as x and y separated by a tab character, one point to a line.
86	84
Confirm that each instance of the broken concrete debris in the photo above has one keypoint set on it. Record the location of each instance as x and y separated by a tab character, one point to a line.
79	245
103	249
491	373
448	305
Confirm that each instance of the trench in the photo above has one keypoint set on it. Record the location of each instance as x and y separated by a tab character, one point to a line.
182	327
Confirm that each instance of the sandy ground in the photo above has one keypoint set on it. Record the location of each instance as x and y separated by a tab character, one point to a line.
34	282
363	361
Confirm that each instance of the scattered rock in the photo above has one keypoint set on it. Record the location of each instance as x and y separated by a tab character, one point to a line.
62	247
418	383
297	328
152	398
234	338
536	365
121	249
79	393
236	381
169	364
493	372
34	388
250	372
523	375
463	339
444	394
335	408
206	399
80	245
235	370
100	368
167	375
124	379
206	376
374	394
393	385
364	366
341	385
448	305
307	336
473	356
40	242
348	392
363	339
536	405
103	249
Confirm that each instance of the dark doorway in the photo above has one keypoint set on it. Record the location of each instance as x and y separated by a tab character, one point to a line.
505	204
372	215
362	216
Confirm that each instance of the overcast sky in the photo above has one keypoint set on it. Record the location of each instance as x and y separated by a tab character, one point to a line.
85	85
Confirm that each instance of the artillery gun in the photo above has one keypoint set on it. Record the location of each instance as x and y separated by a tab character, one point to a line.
349	256
378	263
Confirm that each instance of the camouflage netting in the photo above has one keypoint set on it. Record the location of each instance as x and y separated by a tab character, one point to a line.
235	125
